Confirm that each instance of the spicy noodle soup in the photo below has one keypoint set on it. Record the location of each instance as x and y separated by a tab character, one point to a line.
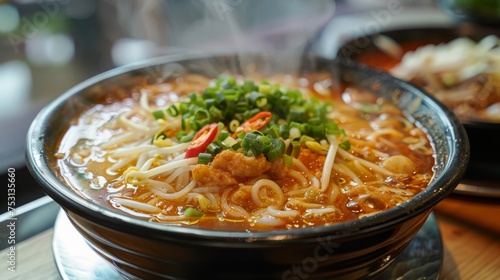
461	73
236	154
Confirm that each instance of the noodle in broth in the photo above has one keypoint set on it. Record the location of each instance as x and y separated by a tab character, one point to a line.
324	158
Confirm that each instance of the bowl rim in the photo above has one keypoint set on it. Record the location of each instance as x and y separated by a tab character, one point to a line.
72	202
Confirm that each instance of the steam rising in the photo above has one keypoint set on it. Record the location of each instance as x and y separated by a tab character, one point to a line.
226	26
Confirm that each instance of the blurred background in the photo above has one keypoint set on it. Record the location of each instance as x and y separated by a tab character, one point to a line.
48	46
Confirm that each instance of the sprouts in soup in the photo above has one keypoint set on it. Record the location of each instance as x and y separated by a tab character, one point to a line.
463	74
240	155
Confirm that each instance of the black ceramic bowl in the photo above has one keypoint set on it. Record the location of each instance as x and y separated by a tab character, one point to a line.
483	134
350	250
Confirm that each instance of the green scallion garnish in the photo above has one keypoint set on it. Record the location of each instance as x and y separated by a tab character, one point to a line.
232	104
158	114
204	158
193	213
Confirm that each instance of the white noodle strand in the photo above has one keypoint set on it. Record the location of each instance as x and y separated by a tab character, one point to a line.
136	205
271	185
330	159
176	195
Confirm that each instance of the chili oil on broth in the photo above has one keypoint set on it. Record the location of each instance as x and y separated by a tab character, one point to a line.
390	159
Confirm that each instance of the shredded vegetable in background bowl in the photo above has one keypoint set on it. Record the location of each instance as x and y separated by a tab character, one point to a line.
463	74
460	66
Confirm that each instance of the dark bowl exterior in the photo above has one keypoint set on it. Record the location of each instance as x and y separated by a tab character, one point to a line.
350	250
483	135
331	256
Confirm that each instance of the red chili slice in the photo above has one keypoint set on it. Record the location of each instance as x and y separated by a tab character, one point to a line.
257	122
201	140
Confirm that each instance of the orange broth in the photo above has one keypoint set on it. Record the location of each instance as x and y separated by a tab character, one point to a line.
84	167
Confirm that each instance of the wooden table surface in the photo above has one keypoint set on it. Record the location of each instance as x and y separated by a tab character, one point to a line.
470	233
471	237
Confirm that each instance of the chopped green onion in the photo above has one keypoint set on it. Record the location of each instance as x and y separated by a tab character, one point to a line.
158	114
294	149
236	146
256	148
369	108
197	99
265	88
230	103
294	133
288	160
277	150
333	128
305	138
186	121
346	145
321	111
223	135
173	111
230	141
273	131
265	143
230	94
193	213
317	131
297	113
241	135
242	106
258	99
204	158
301	126
201	114
214	148
184	108
186	137
159	136
233	125
248	140
216	114
231	81
249	86
314	121
250	113
317	147
285	130
209	102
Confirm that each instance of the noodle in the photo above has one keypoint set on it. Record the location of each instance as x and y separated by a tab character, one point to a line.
136	205
161	169
206	189
270	184
128	136
341	168
164	159
322	211
328	165
129	151
171	150
366	163
132	125
281	213
302	168
178	172
176	195
232	210
299	177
